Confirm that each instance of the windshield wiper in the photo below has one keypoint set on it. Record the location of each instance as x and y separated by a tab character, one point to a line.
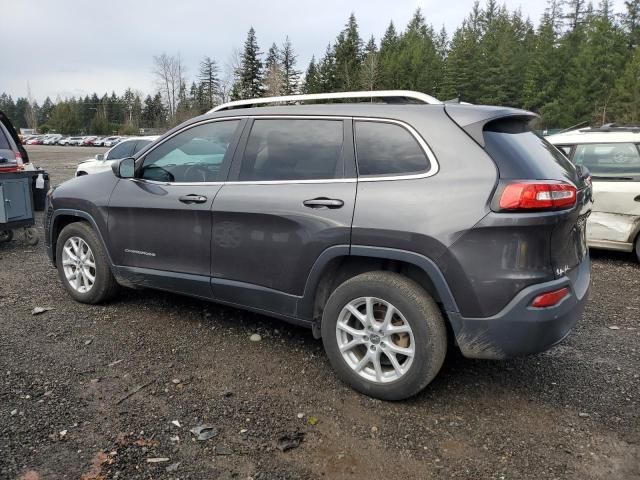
598	177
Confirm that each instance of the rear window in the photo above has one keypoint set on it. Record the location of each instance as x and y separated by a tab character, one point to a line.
4	143
618	161
388	149
521	154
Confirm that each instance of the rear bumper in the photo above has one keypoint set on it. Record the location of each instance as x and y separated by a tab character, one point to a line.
519	329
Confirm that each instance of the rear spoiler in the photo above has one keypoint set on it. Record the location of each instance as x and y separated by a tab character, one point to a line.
473	118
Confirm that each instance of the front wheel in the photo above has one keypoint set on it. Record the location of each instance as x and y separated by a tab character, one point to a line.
83	266
384	335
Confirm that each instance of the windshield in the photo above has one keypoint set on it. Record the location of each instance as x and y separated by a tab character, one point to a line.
619	161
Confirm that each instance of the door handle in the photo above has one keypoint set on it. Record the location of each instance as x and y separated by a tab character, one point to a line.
193	199
323	202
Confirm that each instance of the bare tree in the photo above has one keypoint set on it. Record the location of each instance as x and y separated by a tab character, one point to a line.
370	71
169	71
229	76
31	112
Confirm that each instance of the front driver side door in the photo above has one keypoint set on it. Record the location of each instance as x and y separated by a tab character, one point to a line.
160	222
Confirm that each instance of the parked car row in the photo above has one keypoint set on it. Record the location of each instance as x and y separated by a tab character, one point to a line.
84	141
102	162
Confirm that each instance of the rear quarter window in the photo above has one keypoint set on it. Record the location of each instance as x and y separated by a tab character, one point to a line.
520	154
387	149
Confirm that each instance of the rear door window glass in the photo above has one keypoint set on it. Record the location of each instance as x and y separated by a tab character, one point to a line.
293	149
388	149
616	160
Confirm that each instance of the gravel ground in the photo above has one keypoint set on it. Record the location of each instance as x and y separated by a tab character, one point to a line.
112	391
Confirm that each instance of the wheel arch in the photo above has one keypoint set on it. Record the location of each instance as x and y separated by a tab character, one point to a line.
339	263
62	218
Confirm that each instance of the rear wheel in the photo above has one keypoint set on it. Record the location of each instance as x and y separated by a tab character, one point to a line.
384	335
82	264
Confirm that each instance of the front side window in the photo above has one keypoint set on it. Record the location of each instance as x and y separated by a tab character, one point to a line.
122	150
194	155
293	149
388	149
619	161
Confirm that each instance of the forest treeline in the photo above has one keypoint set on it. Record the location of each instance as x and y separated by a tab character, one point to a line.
579	63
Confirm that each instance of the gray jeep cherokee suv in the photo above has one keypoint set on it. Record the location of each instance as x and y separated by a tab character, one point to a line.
388	228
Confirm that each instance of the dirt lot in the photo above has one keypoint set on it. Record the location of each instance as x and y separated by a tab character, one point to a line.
98	392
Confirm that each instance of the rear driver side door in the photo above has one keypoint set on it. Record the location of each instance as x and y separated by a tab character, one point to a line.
290	197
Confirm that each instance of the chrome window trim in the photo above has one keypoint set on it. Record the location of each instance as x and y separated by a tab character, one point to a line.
414	176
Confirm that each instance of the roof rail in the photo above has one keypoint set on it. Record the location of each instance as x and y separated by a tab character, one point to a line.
391	96
613	127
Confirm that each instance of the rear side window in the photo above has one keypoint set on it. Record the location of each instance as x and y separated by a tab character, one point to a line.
619	160
293	149
521	154
122	150
4	143
388	149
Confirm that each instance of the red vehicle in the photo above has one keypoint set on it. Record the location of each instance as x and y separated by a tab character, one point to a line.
87	141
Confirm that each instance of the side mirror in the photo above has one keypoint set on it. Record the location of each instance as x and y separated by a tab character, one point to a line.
100	157
125	168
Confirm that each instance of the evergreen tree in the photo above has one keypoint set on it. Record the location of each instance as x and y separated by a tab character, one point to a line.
291	76
312	82
631	22
388	72
208	85
348	56
627	92
249	75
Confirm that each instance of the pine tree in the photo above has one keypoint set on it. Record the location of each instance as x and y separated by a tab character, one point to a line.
208	84
348	56
388	72
327	71
631	22
312	82
627	92
249	76
288	60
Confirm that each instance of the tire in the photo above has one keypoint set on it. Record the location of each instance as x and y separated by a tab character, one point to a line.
637	249
413	306
104	285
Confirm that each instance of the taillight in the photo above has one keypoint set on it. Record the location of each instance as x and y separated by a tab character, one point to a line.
550	299
537	195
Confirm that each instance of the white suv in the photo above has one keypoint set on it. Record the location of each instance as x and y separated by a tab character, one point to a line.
612	156
102	162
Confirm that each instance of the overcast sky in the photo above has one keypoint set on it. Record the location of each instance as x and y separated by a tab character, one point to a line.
74	47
